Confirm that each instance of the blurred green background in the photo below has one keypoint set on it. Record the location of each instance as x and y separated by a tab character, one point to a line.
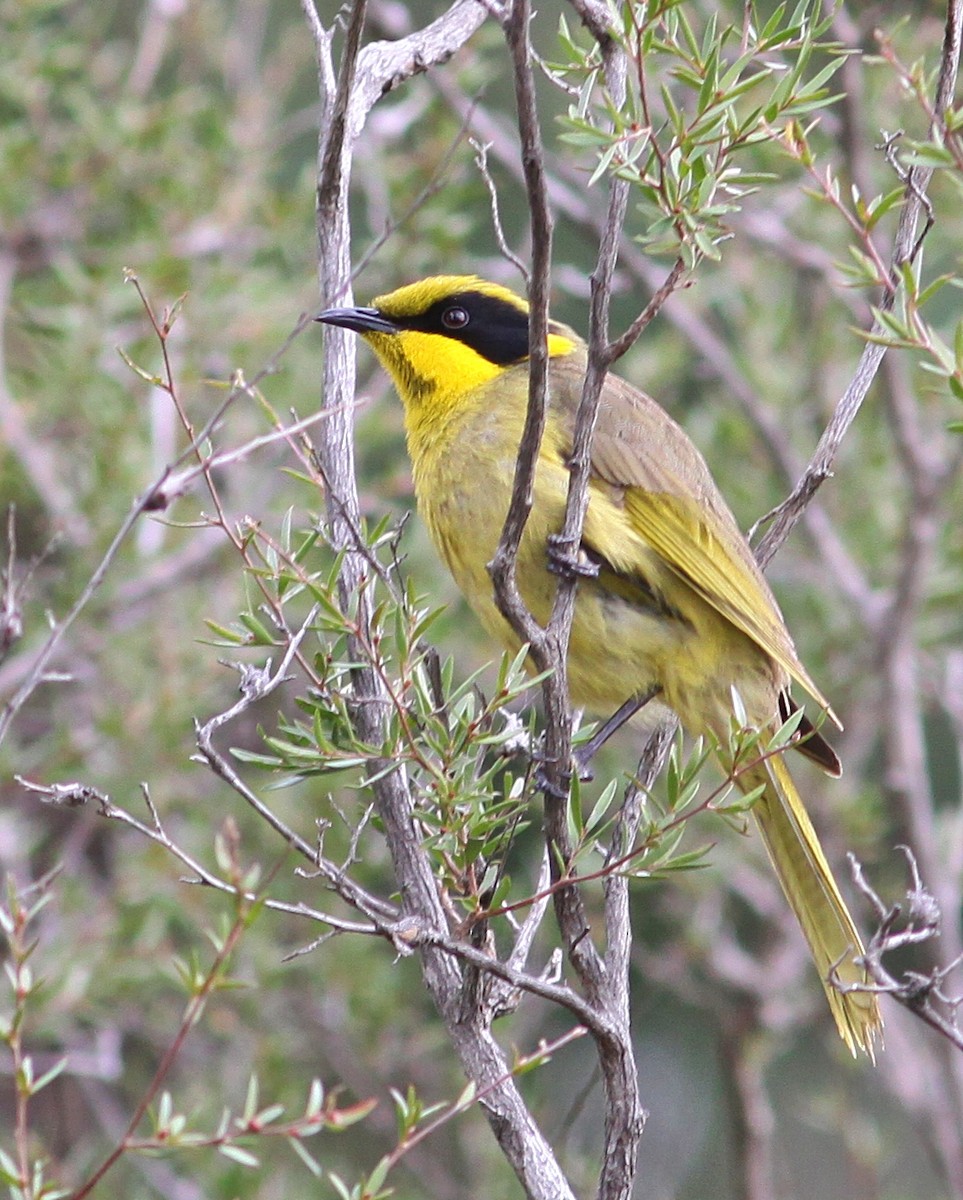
178	139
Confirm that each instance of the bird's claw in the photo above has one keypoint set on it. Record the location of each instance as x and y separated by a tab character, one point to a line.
569	564
580	768
549	787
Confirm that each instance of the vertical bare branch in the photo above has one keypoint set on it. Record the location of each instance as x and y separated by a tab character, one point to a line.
361	80
547	657
548	646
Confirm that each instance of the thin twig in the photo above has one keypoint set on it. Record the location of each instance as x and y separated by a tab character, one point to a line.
37	673
923	994
481	162
503	565
906	249
192	1013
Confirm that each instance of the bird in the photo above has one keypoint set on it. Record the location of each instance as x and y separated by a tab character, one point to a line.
671	600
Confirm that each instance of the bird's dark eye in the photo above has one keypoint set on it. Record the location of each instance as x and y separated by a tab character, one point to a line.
455	317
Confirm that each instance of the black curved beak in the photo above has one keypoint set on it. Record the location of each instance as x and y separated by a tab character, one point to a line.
359	320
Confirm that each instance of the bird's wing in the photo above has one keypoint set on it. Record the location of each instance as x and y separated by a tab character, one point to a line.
693	544
673	503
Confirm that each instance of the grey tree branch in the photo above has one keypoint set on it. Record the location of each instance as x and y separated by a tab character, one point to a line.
609	988
906	248
38	671
547	657
364	77
548	646
923	994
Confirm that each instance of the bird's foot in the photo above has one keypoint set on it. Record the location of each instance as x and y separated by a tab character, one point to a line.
558	788
568	560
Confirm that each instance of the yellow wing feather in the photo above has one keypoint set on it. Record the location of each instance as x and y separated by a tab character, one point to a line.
673	504
675	529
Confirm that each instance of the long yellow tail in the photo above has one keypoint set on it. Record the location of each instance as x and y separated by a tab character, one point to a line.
811	890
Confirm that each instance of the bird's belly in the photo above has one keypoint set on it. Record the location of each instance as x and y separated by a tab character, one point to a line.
617	648
622	644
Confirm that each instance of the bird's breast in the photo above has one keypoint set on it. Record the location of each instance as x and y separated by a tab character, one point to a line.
636	626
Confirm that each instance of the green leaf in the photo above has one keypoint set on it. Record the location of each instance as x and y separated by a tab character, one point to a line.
734	801
929	155
879	206
251	1096
49	1076
573	810
262	636
691	860
771	31
9	1171
786	731
147	376
239	1155
601	807
305	1156
339	1186
376	1178
931	289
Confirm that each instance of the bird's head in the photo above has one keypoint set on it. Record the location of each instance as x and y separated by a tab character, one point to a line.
444	336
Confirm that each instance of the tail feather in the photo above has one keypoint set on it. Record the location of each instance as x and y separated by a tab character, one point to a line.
811	890
810	741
